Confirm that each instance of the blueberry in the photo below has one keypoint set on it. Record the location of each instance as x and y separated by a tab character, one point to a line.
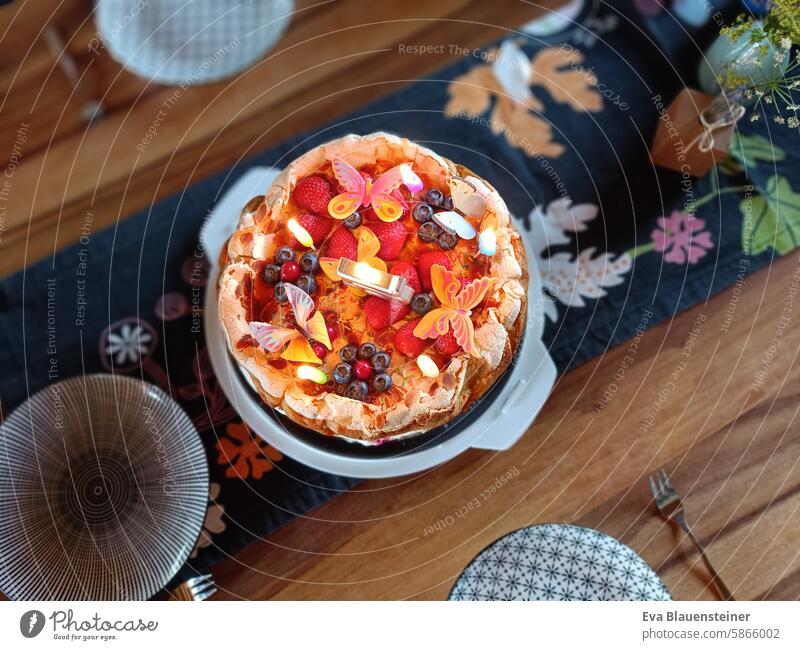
422	212
271	273
353	221
341	389
422	303
367	350
447	240
381	360
348	353
381	382
309	263
429	232
280	292
357	390
447	204
284	254
434	197
307	283
342	373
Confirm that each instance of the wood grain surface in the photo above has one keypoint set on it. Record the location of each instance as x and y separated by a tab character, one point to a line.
726	427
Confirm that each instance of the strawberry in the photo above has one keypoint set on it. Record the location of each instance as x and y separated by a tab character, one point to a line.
392	236
408	271
406	343
426	261
313	193
381	313
447	344
316	225
342	243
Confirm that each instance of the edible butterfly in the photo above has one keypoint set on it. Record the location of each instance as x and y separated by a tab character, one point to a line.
457	306
368	247
361	192
274	338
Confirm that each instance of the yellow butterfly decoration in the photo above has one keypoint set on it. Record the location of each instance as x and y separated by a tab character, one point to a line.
368	247
457	305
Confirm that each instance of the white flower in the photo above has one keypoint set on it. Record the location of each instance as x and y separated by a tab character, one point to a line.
779	119
779	57
767	99
792	122
128	344
754	117
786	42
213	524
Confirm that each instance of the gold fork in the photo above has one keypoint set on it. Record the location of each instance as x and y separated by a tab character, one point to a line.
670	506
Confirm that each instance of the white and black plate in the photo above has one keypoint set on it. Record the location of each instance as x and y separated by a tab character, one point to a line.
558	562
103	491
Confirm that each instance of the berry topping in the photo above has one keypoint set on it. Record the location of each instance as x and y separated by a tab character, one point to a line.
422	303
362	369
290	271
313	193
353	221
348	353
426	261
406	343
284	254
309	263
332	331
366	350
320	350
280	292
447	203
408	271
381	313
392	236
307	283
434	197
342	244
317	226
447	344
422	212
447	240
271	273
357	390
342	373
429	232
381	360
381	382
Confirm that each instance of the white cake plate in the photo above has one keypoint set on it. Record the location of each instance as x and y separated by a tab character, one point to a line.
498	425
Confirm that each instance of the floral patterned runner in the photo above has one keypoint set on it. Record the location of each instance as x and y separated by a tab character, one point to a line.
562	128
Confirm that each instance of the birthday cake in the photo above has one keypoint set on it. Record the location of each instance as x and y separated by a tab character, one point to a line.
375	291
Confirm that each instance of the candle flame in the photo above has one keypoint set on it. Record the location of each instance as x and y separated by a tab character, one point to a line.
487	242
370	274
300	233
312	374
427	366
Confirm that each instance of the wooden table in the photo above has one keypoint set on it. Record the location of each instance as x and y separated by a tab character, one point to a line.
733	448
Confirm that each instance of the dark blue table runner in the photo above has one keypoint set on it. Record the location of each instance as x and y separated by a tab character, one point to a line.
626	253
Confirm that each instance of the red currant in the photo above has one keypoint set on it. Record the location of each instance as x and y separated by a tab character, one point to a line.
320	350
332	332
290	271
362	369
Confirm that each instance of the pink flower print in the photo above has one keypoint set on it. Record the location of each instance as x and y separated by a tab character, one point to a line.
681	238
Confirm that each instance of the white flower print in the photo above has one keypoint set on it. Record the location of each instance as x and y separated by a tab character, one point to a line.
213	524
128	344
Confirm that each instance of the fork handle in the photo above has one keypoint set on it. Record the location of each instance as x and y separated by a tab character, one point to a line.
718	582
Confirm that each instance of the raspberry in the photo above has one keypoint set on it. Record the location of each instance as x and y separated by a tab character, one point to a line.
317	226
426	261
406	343
392	236
313	193
447	344
381	313
342	244
407	271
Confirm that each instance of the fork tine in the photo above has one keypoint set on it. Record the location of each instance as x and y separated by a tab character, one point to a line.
653	487
206	593
197	580
667	482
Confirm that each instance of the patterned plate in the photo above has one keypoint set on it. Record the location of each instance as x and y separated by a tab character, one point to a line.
103	491
558	562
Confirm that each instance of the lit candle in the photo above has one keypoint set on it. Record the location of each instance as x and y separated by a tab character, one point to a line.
300	233
487	242
312	374
374	281
427	366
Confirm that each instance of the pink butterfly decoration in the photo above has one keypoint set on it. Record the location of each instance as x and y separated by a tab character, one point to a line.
360	192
